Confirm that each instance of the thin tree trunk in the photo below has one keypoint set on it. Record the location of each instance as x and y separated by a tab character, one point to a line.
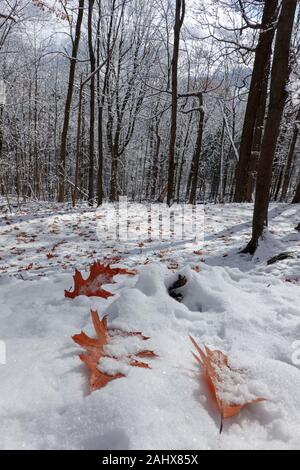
278	95
36	184
1	141
290	159
64	135
183	159
296	199
155	162
278	183
92	102
78	145
197	153
219	193
100	100
179	18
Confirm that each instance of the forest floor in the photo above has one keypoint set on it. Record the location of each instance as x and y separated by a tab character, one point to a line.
234	303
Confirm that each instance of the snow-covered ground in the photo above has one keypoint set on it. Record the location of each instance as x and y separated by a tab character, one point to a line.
239	305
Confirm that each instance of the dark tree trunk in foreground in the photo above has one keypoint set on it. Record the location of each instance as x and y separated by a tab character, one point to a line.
296	199
257	138
259	82
179	18
92	102
64	135
278	95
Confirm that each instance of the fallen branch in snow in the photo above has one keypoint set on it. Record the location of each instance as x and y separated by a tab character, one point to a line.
281	257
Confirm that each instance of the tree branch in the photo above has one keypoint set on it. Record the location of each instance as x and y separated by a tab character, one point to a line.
7	17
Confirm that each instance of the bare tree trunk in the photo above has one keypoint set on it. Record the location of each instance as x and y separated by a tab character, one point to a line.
179	18
114	195
197	153
64	135
260	75
155	161
290	159
278	182
278	95
296	199
78	145
183	160
101	97
1	140
257	138
219	186
100	102
92	102
36	184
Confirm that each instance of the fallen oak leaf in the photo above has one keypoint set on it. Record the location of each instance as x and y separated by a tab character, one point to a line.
216	367
197	269
94	345
82	287
113	259
141	365
29	267
100	274
97	379
149	354
173	266
58	244
95	351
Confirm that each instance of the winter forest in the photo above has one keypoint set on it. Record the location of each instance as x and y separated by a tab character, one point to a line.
189	109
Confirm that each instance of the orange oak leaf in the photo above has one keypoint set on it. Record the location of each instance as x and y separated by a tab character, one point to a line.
95	351
29	267
92	287
217	368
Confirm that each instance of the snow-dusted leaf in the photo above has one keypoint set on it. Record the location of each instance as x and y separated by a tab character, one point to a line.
95	352
221	380
100	274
